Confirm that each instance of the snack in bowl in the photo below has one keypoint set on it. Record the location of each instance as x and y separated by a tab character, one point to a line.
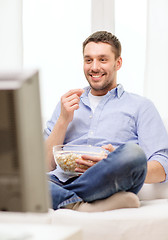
65	155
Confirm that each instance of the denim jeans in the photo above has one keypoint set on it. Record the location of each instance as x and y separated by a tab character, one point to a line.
123	170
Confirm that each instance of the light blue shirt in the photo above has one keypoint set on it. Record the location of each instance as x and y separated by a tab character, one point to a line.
120	117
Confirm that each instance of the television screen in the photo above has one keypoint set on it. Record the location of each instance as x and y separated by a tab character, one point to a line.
23	180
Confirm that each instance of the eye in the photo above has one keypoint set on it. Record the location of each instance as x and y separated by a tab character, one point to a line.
88	60
103	59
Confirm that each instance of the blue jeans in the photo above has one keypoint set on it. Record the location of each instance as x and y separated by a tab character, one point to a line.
123	170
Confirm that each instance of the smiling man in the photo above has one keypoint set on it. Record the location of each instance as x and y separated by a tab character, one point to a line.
103	114
100	67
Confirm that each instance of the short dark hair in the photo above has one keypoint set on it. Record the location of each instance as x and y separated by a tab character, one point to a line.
105	37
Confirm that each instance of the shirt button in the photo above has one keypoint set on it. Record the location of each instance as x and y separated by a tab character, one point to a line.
91	132
90	116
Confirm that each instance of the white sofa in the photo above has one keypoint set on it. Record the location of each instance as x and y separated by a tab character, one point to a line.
148	222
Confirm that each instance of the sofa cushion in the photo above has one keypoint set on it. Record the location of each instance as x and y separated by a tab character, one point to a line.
150	221
154	191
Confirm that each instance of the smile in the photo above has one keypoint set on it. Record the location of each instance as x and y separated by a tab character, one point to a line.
96	76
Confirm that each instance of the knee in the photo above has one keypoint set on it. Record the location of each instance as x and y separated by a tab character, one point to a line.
128	155
134	154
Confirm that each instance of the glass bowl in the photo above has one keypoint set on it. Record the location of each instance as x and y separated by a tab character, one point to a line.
65	155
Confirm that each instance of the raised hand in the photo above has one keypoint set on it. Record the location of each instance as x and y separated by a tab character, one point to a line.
70	103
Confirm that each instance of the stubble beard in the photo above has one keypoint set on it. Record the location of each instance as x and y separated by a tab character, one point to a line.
105	87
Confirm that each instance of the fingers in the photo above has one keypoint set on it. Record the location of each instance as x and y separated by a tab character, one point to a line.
83	165
80	170
87	161
78	92
70	103
93	159
109	147
71	99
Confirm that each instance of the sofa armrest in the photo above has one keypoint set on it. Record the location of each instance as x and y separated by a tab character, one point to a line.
154	191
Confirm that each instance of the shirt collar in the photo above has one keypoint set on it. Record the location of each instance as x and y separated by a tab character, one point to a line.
118	91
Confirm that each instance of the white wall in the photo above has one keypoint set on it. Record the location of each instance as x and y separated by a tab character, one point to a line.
53	32
130	28
156	74
10	34
102	15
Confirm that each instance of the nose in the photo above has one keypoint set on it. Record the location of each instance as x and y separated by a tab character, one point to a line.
95	66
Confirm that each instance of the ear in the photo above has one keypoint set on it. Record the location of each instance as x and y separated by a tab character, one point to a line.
118	63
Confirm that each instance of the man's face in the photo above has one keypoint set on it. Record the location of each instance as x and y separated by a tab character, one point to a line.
100	67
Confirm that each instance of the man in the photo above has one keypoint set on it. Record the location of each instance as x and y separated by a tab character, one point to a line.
103	114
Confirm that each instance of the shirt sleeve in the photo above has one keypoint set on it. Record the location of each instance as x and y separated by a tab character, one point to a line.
152	135
51	123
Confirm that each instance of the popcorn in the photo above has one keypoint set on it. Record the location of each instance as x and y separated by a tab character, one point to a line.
65	156
67	161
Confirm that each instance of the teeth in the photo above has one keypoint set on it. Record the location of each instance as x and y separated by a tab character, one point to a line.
96	76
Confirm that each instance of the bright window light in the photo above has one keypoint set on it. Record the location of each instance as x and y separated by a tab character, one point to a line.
53	33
